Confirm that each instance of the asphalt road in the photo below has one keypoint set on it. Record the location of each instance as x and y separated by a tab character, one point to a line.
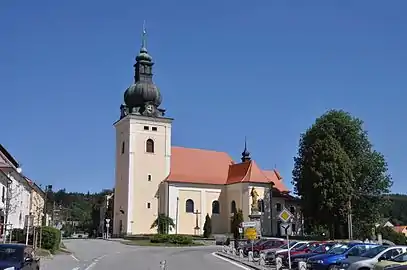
108	255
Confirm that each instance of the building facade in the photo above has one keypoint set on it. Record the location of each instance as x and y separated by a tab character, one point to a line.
18	195
37	204
153	177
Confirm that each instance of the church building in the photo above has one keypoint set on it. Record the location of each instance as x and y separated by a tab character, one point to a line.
154	177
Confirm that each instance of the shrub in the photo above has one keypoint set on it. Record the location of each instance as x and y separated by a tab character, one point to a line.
393	236
207	227
51	239
159	238
175	239
18	235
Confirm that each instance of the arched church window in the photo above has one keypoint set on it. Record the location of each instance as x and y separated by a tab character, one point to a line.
122	147
189	206
260	205
233	207
278	207
215	207
150	146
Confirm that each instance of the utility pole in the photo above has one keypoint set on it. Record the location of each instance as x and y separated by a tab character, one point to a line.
350	225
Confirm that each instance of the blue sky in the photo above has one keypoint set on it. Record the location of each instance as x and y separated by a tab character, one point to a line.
226	70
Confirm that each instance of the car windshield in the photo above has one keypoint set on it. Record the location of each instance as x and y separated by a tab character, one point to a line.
9	254
285	246
260	241
301	247
400	258
320	249
338	249
373	252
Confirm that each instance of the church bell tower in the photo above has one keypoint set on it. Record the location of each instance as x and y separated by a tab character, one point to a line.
143	152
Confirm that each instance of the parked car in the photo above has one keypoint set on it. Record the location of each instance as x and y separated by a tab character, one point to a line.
322	249
262	245
302	249
371	257
400	260
18	257
336	254
270	254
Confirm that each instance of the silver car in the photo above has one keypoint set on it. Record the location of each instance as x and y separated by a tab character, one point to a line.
368	259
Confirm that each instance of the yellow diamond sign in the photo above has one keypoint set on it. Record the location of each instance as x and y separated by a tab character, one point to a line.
285	215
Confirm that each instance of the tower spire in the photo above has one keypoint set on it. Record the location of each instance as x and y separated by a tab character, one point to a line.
245	153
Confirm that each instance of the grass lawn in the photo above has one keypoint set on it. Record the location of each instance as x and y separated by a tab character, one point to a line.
148	243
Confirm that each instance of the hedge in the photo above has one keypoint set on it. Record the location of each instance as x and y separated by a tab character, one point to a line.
51	238
393	236
174	239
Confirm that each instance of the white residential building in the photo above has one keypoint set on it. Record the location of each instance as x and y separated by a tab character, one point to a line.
19	191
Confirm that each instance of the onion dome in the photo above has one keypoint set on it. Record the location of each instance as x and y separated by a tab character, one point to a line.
143	91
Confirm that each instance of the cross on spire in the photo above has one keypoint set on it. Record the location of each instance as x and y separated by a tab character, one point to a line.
144	36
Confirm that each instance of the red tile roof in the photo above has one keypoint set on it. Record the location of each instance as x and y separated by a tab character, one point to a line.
189	165
399	229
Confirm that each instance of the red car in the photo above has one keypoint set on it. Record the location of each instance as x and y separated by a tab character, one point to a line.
264	244
305	248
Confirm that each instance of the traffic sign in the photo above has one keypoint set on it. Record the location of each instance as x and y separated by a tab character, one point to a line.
250	233
285	229
285	215
249	224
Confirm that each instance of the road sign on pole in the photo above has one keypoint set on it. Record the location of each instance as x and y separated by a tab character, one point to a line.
107	227
249	224
250	233
285	215
285	229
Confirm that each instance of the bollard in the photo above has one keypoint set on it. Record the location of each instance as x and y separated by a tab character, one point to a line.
163	265
241	253
234	251
302	266
250	256
262	259
279	263
224	249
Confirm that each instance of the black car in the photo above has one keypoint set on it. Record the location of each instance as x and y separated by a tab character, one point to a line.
21	257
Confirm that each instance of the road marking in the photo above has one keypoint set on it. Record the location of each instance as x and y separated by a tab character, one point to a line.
76	259
95	261
76	268
229	261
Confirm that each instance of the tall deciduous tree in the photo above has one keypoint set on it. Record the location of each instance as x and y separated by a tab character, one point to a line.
336	165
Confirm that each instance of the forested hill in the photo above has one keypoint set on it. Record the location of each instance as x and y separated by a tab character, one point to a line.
82	208
397	211
85	207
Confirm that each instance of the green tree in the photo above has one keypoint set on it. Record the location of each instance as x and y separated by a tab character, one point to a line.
207	227
163	223
336	165
236	220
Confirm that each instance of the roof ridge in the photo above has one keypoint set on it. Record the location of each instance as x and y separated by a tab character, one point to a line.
247	171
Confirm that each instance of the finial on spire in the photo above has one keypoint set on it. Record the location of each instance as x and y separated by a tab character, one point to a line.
245	153
144	37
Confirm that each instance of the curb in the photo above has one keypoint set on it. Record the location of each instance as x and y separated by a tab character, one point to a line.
251	265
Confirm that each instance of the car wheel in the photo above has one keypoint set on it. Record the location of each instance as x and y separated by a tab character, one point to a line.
331	267
256	254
